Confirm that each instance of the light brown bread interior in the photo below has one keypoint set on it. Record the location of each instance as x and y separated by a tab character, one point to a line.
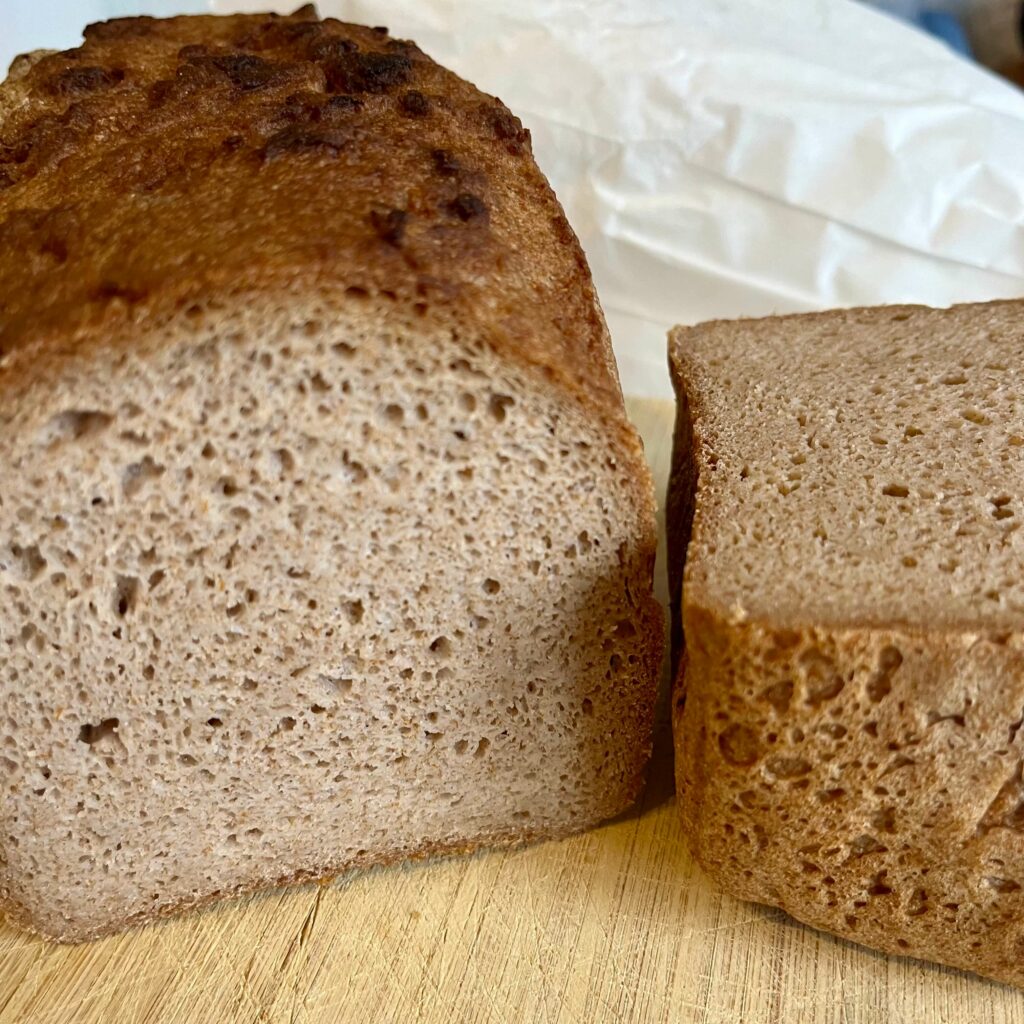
295	588
849	707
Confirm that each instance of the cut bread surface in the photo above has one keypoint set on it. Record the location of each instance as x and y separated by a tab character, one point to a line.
874	452
293	588
847	716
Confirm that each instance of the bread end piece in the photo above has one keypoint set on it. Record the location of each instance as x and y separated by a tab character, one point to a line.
858	768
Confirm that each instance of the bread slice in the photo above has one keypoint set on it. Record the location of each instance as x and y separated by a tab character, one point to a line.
324	539
848	715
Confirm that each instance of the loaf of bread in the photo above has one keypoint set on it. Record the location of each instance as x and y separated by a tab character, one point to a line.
848	715
324	539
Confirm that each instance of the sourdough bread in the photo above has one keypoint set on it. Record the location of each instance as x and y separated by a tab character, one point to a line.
847	718
324	539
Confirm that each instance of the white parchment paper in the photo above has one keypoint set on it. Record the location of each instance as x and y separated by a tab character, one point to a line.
745	157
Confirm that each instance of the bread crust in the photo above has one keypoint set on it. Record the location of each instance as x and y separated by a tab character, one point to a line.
163	162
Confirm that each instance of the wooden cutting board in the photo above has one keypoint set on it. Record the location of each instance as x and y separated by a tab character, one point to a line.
617	925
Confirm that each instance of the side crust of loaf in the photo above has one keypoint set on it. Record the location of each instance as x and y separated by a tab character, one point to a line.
874	817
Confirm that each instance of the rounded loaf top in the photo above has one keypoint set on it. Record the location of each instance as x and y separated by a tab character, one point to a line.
164	161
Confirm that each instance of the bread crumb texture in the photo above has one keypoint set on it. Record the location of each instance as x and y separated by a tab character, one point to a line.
312	555
848	717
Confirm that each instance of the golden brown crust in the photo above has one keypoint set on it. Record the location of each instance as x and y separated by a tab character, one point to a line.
867	783
167	160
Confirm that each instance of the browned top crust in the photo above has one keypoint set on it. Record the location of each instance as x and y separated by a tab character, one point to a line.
167	161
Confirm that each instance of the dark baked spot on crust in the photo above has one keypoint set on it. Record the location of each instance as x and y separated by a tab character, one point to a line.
6	180
312	108
246	71
232	143
106	291
367	72
193	50
467	206
296	139
161	91
47	139
76	81
300	106
331	48
381	30
337	106
507	127
445	163
390	226
414	104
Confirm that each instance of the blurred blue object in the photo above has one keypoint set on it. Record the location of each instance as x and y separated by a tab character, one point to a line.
948	28
943	19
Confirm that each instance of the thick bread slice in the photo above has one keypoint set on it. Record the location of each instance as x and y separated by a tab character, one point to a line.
324	539
848	716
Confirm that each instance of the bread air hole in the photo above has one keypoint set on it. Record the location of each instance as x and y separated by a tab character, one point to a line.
75	424
95	734
27	562
1000	509
895	491
125	595
497	406
282	463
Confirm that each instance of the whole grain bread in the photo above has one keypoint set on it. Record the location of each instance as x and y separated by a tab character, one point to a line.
850	486
324	538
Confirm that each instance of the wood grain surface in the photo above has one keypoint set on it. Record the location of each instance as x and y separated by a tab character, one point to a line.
616	926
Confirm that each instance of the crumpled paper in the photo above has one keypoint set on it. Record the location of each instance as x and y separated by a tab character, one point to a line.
745	157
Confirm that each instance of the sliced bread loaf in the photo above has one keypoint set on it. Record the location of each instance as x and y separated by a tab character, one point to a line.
847	718
324	538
